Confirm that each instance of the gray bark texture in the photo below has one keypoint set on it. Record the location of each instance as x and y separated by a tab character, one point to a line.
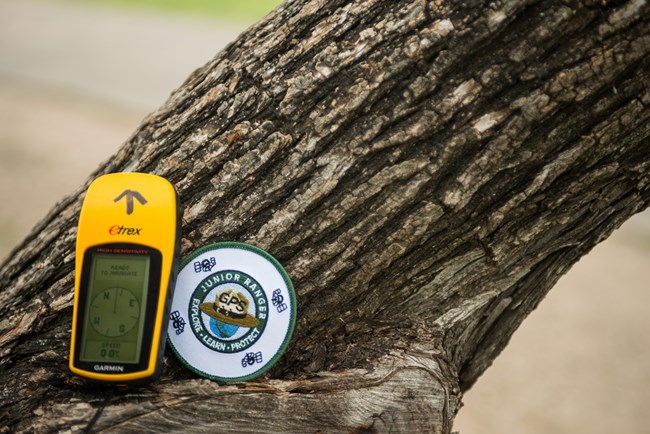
425	171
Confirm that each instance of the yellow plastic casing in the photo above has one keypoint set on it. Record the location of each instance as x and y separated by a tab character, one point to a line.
113	212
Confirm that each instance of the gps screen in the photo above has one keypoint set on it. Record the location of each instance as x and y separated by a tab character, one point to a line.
115	309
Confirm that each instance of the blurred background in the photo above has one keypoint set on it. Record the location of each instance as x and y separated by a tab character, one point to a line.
77	77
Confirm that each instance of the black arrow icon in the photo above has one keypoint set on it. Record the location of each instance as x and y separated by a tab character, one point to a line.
130	194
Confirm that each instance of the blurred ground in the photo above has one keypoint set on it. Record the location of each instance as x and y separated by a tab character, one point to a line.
75	80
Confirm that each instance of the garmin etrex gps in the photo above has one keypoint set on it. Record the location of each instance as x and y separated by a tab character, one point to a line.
126	264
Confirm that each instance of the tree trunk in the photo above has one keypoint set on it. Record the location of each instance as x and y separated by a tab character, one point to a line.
425	171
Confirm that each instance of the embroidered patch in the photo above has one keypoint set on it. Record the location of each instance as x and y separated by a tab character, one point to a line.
233	312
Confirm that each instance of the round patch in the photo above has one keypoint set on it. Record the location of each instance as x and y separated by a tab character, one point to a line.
233	312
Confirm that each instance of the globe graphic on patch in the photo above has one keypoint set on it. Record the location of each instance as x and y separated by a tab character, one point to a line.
221	329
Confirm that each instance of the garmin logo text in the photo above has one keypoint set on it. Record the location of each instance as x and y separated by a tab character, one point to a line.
108	368
121	230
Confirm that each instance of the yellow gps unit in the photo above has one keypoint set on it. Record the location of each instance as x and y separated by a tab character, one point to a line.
126	264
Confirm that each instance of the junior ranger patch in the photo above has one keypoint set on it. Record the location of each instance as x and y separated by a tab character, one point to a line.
233	312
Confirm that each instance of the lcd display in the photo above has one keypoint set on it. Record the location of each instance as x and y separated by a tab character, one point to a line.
115	309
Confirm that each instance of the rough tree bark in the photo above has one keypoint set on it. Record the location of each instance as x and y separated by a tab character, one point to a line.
425	170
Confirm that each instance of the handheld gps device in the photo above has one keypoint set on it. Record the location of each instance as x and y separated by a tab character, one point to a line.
126	265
